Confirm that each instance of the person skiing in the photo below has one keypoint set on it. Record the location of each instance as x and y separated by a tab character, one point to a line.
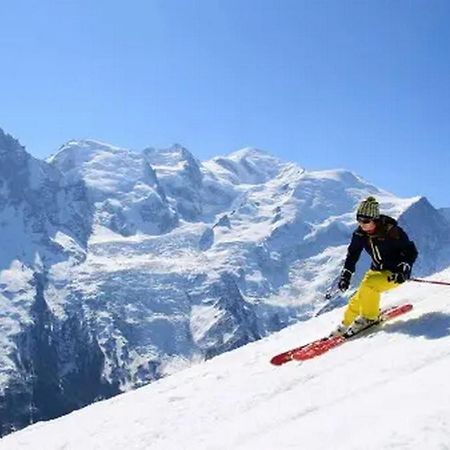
393	255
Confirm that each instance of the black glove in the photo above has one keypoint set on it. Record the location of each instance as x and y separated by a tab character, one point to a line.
344	280
402	273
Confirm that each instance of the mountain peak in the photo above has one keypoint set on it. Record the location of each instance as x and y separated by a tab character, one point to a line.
8	144
170	156
249	152
82	149
76	154
248	165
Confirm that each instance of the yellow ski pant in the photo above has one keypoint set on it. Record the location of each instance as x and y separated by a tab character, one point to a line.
366	301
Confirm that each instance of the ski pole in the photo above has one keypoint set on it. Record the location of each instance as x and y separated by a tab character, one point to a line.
419	280
331	293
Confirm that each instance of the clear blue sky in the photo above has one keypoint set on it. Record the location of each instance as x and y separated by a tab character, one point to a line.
361	85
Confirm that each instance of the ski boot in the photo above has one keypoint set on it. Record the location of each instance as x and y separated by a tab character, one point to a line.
340	330
360	323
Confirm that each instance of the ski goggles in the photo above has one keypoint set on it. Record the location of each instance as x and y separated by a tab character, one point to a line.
364	220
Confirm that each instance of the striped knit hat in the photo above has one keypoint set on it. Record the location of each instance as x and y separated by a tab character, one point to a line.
368	208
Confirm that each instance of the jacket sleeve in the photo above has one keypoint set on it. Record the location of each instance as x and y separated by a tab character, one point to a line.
354	252
408	250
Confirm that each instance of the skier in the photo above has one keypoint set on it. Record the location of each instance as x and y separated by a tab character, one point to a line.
393	255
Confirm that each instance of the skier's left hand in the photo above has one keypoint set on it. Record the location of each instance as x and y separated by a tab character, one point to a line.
402	273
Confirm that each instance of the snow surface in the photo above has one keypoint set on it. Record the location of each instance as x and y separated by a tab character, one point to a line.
387	390
137	264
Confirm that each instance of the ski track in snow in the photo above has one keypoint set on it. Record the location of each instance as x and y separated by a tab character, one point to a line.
387	390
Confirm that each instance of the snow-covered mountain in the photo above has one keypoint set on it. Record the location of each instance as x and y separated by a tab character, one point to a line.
119	267
388	389
445	212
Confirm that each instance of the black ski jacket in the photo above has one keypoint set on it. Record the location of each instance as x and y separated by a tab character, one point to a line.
388	246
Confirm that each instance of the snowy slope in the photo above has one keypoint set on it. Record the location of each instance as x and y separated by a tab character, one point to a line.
386	390
120	267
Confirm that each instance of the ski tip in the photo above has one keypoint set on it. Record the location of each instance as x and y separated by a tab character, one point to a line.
398	310
278	360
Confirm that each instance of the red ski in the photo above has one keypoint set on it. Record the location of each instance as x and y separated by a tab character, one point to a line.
316	348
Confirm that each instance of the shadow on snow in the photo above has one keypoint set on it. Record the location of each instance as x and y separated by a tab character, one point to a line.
434	325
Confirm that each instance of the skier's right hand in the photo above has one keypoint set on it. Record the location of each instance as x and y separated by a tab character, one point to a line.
344	280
